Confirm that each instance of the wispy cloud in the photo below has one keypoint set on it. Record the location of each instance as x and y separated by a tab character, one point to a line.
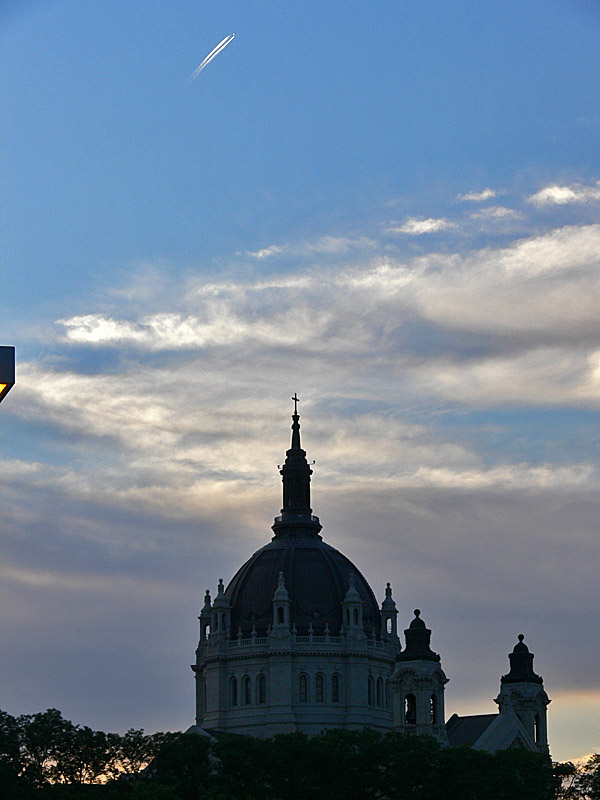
496	212
272	250
332	245
476	197
417	227
564	195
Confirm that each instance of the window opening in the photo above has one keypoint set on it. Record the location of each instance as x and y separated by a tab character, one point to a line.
410	709
262	689
433	710
303	685
335	689
319	689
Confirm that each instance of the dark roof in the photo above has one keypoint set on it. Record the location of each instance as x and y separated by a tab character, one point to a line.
316	577
467	730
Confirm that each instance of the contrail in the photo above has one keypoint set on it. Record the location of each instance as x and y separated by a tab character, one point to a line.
214	52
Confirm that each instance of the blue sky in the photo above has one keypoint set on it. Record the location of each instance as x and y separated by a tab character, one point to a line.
391	208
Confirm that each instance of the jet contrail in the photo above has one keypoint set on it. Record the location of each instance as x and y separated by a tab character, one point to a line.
214	52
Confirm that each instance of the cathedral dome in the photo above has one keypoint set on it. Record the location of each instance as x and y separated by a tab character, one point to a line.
317	576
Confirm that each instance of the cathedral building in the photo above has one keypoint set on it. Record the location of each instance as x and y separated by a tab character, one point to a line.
298	642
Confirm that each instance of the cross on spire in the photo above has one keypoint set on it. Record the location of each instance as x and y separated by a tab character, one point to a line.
296	400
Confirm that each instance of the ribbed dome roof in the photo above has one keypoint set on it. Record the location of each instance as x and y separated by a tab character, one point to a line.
316	575
316	578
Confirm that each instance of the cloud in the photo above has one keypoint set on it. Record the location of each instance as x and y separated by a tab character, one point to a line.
496	212
476	197
325	244
266	252
418	227
482	319
563	195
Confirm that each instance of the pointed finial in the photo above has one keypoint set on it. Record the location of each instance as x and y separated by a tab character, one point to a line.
388	590
220	587
417	612
520	637
280	580
296	400
351	581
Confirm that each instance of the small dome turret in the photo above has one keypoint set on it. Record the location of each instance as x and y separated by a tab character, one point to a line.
521	665
418	637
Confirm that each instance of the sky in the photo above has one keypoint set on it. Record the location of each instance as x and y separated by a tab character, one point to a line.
390	208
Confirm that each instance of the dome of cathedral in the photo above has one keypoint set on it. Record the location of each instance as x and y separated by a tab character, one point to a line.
317	576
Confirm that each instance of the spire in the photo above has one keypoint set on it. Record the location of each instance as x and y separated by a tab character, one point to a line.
281	593
352	595
221	599
207	606
418	637
296	515
521	665
388	604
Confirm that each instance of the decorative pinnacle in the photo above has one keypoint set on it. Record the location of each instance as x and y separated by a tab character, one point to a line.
520	637
417	612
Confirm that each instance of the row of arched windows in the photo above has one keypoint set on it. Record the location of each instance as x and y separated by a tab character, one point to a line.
320	688
375	692
410	709
241	693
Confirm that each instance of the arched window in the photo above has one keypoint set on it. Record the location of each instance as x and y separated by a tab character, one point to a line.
347	616
379	692
280	618
206	631
204	694
537	729
233	691
223	622
335	689
246	690
433	709
216	622
410	710
355	616
388	625
319	689
303	688
387	694
371	690
261	690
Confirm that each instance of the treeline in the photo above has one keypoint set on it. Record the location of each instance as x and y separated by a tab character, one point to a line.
45	757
